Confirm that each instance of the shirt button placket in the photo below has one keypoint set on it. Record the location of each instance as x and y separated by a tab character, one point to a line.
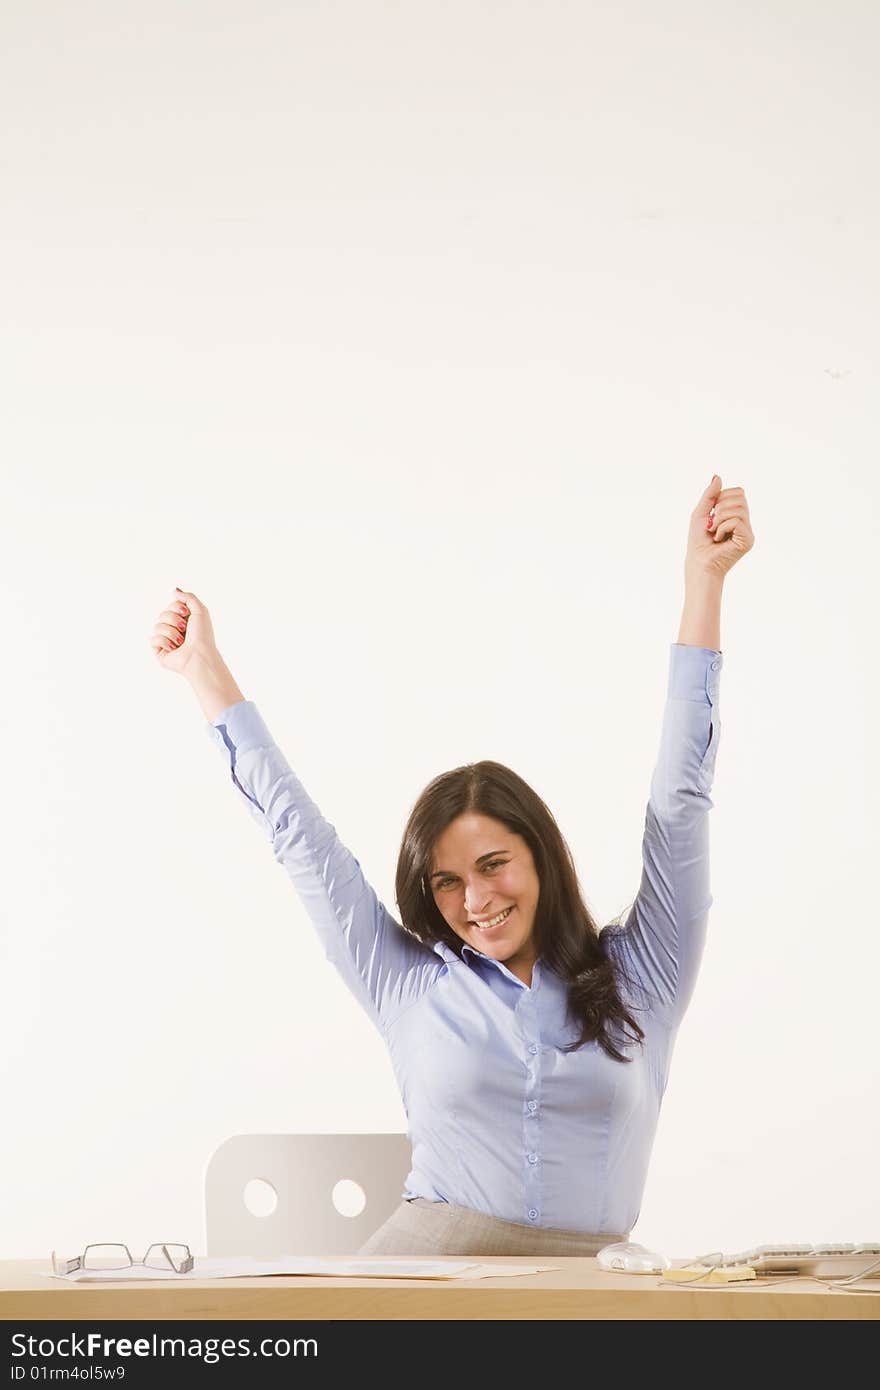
531	1117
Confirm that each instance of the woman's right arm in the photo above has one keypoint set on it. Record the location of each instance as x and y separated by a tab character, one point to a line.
385	967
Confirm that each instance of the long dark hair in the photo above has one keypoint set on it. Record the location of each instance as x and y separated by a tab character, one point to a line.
566	937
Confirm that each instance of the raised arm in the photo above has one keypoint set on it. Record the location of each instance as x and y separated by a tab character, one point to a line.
661	943
384	966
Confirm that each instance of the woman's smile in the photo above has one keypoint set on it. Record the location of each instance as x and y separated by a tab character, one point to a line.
486	888
494	923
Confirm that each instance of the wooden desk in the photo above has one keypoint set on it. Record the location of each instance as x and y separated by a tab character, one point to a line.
576	1289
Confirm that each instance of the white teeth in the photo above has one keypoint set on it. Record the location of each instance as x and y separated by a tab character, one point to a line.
481	926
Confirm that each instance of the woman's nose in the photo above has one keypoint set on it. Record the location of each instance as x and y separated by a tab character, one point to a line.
471	903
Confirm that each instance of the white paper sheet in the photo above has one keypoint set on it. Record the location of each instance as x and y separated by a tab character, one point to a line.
249	1267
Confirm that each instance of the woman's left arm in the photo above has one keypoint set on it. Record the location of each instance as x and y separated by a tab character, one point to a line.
661	943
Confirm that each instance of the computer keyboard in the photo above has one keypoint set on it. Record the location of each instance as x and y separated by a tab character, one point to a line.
820	1261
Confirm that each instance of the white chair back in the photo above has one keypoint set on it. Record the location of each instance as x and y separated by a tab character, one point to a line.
303	1169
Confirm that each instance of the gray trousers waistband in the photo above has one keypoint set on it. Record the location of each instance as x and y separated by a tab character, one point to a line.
420	1227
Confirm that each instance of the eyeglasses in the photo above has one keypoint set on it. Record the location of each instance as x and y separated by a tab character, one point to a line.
118	1256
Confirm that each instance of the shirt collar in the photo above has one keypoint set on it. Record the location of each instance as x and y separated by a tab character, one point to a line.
447	954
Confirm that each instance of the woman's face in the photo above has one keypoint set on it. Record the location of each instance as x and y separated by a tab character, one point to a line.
479	870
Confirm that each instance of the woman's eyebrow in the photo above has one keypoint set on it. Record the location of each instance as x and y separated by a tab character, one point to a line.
490	855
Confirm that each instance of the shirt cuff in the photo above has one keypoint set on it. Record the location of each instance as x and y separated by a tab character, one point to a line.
240	726
694	673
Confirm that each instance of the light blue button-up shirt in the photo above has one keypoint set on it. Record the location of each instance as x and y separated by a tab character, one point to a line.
501	1120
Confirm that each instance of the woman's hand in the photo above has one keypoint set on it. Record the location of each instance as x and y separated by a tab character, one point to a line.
720	531
183	635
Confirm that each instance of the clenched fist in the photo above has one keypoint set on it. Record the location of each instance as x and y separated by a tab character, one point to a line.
720	532
183	633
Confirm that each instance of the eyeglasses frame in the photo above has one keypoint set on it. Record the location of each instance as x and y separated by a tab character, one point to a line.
78	1261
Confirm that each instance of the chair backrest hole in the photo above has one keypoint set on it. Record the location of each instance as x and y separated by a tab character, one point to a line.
260	1197
349	1197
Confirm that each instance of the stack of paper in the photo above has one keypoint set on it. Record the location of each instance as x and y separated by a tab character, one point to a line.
249	1267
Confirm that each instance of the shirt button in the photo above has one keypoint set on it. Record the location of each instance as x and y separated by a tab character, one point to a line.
533	1047
533	1105
714	665
533	1215
533	1158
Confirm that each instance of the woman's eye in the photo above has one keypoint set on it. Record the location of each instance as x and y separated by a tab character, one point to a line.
493	864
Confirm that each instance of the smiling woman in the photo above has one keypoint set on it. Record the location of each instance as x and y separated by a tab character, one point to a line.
493	905
532	1091
480	841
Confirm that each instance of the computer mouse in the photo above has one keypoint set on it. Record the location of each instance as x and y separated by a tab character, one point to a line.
627	1257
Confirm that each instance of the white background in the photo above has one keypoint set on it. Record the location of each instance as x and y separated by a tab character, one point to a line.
408	336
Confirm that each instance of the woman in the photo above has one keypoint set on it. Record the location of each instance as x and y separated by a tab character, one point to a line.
531	1050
